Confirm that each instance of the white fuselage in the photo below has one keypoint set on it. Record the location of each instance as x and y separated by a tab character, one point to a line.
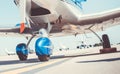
69	12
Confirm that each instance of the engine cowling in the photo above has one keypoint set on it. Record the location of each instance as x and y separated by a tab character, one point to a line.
43	46
22	51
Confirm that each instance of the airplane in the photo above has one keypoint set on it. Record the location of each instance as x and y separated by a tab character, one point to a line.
46	18
9	52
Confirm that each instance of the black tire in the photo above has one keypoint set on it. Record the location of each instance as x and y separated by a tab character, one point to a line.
22	57
44	58
106	42
108	50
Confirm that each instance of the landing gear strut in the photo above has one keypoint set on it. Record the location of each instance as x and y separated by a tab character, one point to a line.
105	42
22	49
106	45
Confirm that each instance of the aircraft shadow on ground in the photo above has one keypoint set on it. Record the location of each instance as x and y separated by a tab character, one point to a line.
18	61
101	60
33	60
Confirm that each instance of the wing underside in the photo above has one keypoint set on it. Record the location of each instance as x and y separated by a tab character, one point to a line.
62	26
96	21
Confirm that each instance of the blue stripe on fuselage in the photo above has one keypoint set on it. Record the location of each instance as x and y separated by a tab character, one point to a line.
76	3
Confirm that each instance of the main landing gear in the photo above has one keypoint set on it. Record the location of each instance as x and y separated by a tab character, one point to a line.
106	45
22	52
105	42
43	49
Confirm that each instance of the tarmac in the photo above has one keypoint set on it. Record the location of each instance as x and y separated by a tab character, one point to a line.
78	61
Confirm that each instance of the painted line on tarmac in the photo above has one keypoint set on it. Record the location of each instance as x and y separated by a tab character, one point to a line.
9	69
25	69
16	64
45	67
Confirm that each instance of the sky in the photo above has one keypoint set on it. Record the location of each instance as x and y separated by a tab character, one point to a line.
9	13
9	16
93	6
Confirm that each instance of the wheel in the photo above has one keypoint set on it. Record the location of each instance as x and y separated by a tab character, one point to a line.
22	57
44	58
106	42
22	51
108	50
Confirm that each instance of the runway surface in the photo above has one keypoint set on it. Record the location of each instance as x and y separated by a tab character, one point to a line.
64	62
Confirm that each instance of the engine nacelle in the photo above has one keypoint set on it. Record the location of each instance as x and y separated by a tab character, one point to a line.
22	51
43	46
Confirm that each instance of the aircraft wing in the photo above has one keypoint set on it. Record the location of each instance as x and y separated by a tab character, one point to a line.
61	25
99	17
97	22
15	30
